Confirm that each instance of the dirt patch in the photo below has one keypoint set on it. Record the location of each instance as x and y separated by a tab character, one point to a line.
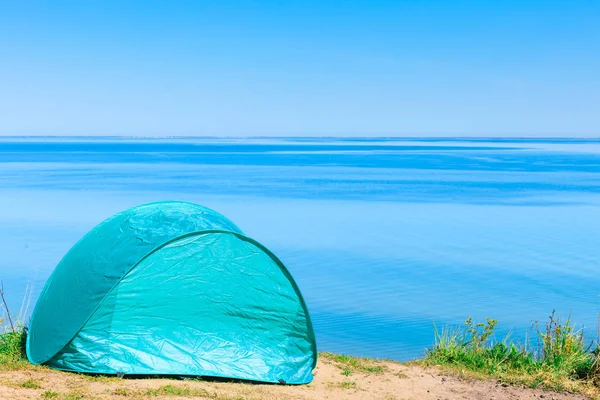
335	378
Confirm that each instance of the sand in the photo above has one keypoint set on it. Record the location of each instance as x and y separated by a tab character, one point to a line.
391	381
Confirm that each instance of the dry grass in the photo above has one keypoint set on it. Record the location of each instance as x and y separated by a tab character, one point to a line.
352	365
343	385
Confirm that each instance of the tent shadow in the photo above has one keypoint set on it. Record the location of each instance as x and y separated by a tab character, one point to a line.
216	379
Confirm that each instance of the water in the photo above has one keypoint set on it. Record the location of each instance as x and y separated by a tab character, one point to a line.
385	237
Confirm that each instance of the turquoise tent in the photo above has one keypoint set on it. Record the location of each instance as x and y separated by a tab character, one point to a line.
173	288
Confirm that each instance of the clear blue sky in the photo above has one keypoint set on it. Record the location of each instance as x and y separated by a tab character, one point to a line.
329	67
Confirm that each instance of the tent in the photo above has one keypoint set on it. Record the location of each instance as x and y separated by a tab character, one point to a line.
173	288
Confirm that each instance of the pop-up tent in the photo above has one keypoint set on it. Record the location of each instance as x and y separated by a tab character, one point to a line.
173	288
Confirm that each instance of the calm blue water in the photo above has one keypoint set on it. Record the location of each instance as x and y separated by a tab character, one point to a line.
385	237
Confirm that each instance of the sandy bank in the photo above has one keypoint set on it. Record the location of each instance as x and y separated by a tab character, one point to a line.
334	379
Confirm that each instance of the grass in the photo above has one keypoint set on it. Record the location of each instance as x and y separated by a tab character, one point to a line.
31	384
557	357
100	378
73	396
12	349
348	385
186	391
12	345
13	334
350	365
342	385
171	390
122	392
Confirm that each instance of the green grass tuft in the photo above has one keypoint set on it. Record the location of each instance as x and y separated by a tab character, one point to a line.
342	385
349	364
122	392
31	384
558	359
171	390
348	385
73	396
12	345
12	349
49	394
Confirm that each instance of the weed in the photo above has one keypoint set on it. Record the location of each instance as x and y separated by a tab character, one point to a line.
480	333
100	378
559	359
13	332
170	390
31	384
73	396
12	346
376	369
49	394
563	349
347	385
349	364
122	392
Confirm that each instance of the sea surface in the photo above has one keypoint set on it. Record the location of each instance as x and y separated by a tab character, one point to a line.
387	238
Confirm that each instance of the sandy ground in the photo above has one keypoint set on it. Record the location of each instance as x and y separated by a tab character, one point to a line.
392	381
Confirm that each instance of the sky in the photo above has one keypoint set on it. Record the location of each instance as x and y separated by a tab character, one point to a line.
300	68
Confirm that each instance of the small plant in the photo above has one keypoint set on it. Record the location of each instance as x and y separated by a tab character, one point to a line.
73	396
563	348
12	345
560	357
373	369
31	384
349	364
480	333
13	332
348	385
170	390
49	394
121	392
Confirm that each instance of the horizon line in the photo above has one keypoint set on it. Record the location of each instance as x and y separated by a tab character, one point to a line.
447	137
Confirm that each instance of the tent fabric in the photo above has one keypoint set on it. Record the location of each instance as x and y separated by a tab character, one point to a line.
173	288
